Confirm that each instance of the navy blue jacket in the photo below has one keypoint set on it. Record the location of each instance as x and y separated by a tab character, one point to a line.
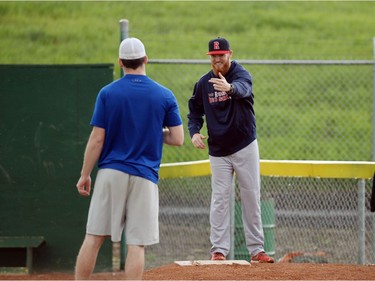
230	119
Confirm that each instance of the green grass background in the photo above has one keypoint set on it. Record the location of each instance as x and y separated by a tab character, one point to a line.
83	32
88	32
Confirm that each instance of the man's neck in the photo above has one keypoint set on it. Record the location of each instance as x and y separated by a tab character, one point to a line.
134	71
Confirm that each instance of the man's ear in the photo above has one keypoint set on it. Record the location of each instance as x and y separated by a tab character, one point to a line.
146	60
120	63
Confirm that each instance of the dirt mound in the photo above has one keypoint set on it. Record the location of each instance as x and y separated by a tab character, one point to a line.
276	271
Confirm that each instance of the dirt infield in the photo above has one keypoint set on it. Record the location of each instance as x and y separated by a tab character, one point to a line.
277	271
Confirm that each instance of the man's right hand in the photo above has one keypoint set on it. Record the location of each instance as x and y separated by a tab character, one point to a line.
197	141
84	186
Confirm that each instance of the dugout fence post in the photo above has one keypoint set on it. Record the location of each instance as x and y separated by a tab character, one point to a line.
124	33
232	205
361	221
373	102
373	146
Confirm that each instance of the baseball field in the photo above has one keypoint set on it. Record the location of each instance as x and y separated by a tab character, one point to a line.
80	32
277	271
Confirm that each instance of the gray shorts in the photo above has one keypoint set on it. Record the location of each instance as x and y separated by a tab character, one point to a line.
121	200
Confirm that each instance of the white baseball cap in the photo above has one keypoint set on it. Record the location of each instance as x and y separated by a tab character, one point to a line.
131	49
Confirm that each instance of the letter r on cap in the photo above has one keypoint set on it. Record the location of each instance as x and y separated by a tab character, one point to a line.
216	45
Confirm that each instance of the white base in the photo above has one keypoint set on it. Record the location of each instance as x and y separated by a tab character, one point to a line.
209	262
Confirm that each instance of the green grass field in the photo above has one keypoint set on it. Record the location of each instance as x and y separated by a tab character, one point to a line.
82	32
88	32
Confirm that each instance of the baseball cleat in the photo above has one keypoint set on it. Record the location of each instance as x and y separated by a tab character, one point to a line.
261	257
217	257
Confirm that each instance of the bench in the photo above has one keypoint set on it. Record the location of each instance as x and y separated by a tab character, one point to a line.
24	242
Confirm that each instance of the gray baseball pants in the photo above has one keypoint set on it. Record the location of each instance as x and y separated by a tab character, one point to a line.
246	165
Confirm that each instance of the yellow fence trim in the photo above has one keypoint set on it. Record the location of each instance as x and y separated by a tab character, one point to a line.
185	169
318	169
280	168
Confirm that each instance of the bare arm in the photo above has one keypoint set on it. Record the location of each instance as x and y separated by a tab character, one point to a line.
93	150
173	135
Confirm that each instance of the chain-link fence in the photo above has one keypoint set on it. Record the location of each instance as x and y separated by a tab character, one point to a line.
315	110
310	216
306	110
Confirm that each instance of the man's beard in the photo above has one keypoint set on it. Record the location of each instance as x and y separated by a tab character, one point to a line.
222	68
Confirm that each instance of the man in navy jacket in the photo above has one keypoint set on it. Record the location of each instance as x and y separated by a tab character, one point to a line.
224	97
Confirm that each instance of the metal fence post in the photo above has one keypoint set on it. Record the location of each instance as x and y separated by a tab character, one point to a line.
373	102
124	29
373	146
124	33
232	206
361	221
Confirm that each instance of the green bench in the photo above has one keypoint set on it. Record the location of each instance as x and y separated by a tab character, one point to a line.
16	242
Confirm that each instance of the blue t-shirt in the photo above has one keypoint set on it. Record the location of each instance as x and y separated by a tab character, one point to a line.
133	111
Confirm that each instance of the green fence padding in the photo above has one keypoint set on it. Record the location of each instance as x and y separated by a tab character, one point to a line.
44	126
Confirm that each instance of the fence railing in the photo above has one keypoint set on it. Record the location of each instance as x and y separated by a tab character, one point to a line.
280	168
